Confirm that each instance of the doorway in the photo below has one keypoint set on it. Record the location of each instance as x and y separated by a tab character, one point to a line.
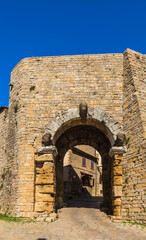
82	182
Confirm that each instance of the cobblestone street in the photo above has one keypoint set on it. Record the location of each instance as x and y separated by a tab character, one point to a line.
73	224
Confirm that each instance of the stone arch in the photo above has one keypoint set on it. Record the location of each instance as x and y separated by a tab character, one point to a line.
69	129
84	135
95	117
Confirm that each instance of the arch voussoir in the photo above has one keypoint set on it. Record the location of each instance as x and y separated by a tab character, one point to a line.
97	117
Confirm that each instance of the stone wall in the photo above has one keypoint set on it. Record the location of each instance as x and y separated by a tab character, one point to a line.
44	87
12	141
134	176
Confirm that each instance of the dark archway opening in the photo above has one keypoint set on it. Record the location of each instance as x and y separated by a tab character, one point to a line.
84	135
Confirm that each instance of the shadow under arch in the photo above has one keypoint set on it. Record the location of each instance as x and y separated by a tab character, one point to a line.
84	135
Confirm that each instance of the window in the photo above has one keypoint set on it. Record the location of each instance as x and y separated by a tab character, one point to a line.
92	165
84	162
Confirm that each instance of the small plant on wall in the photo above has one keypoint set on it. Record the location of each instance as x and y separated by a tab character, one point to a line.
127	142
1	186
32	88
16	108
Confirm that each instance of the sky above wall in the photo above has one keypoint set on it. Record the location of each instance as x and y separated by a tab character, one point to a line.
30	28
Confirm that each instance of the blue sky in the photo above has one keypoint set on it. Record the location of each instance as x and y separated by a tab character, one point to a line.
67	27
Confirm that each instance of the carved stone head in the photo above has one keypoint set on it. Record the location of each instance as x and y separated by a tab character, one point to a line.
83	109
46	139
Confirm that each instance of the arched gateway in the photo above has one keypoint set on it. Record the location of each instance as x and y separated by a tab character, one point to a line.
79	126
58	102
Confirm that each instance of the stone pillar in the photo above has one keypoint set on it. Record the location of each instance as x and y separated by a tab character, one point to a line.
116	177
45	191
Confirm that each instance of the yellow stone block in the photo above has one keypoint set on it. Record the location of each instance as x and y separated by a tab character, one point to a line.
117	180
46	168
44	157
117	211
117	161
44	188
117	191
116	202
45	179
42	197
117	170
44	206
118	157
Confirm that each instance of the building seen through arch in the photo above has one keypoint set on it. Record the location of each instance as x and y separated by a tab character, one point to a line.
82	173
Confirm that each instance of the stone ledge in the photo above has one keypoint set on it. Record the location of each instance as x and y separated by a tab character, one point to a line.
48	149
117	150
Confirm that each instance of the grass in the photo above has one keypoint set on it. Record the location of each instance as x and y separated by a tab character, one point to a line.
132	224
8	218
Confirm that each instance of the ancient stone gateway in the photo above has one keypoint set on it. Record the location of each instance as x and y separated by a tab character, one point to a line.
98	130
57	103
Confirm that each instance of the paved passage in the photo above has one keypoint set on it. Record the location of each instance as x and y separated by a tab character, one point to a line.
73	224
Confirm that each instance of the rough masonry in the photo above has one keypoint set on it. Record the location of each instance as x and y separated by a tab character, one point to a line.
43	121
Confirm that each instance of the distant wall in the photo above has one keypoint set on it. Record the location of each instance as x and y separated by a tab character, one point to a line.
3	159
11	155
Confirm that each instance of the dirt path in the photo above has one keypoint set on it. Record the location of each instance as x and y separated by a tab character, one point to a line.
73	224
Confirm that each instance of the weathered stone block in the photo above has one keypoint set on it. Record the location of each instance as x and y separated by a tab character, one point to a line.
117	180
44	189
117	170
47	168
44	157
117	191
117	211
117	161
44	197
116	202
45	179
44	206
